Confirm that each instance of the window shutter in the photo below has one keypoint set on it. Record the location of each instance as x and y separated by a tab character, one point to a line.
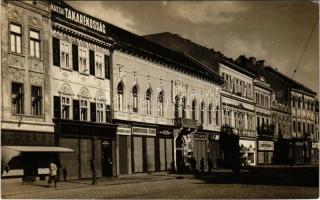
91	57
56	51
76	110
75	57
107	66
56	107
108	113
93	112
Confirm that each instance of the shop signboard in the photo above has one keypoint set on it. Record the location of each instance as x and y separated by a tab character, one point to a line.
265	145
144	131
315	145
123	130
165	132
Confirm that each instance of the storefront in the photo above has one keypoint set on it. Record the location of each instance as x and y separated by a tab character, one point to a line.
247	152
93	144
164	149
315	152
214	150
265	152
124	149
298	153
143	149
200	148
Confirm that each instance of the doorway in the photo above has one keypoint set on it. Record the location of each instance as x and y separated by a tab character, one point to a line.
106	148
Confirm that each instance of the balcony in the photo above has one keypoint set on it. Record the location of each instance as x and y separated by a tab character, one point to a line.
266	131
186	123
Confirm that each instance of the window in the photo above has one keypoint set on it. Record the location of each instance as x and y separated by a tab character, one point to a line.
120	96
83	61
36	100
65	55
34	43
100	112
99	65
299	103
83	110
15	38
202	113
66	104
184	111
148	101
258	123
176	107
17	98
210	113
217	115
299	127
161	103
193	110
135	98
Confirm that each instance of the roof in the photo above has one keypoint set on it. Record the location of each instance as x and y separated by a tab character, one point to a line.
204	55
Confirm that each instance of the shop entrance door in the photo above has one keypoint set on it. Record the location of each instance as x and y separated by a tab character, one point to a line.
106	148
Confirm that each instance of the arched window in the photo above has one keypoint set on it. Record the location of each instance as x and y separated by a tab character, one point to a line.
184	113
135	98
148	101
193	109
210	113
176	107
120	96
161	103
202	112
217	115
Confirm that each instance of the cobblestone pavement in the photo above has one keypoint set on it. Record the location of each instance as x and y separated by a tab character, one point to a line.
162	187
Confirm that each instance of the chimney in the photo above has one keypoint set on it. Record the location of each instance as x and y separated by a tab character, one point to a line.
260	62
252	60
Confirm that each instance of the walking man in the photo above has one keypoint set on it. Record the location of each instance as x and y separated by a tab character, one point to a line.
53	174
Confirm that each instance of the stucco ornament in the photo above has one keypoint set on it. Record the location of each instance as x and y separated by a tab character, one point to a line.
84	93
66	89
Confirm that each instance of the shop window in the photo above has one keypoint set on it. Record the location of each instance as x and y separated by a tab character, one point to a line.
83	61
120	96
34	43
36	100
65	55
99	66
83	110
65	107
135	98
161	103
15	38
149	101
17	97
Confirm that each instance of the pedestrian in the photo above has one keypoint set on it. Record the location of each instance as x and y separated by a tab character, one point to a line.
209	165
65	173
202	165
53	174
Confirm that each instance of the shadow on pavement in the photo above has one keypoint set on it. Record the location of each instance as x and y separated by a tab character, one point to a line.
289	176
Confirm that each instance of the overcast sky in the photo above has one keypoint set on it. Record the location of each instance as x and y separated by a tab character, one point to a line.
274	31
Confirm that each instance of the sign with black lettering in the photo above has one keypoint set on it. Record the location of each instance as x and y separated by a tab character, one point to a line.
265	145
144	131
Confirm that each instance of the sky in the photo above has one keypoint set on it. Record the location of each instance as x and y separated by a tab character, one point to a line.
274	31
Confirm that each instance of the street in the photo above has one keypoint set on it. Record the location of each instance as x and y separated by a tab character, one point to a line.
170	186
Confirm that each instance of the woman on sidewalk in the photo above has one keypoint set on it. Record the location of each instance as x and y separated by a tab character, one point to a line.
53	174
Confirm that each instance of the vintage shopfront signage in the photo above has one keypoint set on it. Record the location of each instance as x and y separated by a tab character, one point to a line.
265	145
200	135
80	18
123	130
315	145
214	136
144	131
165	132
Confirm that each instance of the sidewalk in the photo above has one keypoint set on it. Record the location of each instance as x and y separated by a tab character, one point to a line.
15	186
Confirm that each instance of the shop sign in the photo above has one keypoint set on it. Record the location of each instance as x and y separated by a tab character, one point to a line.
200	136
79	18
315	145
265	145
143	131
165	132
123	131
214	136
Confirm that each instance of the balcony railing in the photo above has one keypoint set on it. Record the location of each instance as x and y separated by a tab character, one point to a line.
187	123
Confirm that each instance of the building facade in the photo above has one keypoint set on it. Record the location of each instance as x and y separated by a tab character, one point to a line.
26	118
80	92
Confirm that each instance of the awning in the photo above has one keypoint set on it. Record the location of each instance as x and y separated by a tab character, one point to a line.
9	152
